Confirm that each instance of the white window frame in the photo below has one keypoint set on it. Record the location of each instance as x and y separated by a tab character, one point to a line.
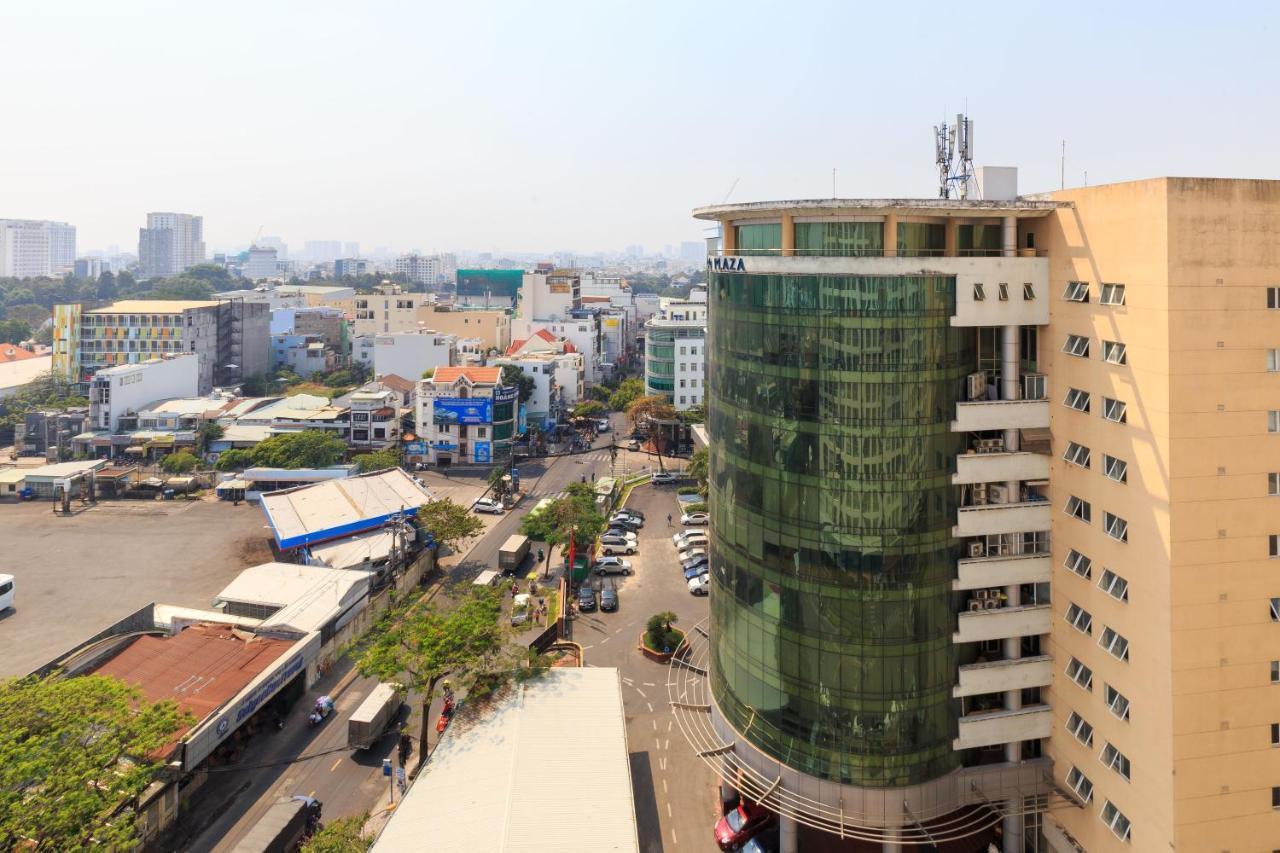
1080	728
1275	610
979	292
1117	761
1114	643
1112	294
1077	454
1114	352
1273	297
1114	585
1079	618
1079	564
1028	292
1077	345
1115	469
1079	508
1115	821
1273	360
1117	703
1273	545
1002	291
1080	674
1080	784
1273	484
1076	291
1077	400
1115	526
1117	411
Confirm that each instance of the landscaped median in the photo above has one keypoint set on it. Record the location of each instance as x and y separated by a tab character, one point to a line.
660	641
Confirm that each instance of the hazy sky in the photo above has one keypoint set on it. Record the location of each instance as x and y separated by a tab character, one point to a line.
548	125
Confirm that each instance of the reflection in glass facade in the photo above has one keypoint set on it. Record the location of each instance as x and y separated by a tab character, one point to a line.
830	409
839	238
763	239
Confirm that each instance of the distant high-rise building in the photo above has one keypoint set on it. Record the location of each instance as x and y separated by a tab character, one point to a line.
693	251
281	247
351	250
323	251
170	244
263	263
344	267
36	247
427	269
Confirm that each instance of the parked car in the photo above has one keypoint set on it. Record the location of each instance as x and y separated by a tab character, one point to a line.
602	425
698	549
586	599
765	842
700	584
687	536
692	519
608	599
629	511
740	825
617	545
612	566
694	571
623	532
626	522
626	513
659	478
633	445
489	505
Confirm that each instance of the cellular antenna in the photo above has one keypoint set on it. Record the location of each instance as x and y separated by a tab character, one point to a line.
953	155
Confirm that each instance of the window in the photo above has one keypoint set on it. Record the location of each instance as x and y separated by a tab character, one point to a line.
682	399
1080	674
1275	610
1273	484
1076	291
1115	469
1077	399
1082	731
1275	798
481	432
1079	509
1079	563
1080	783
1115	821
1028	292
1116	702
1114	585
1273	542
1115	410
1112	294
1077	345
1115	353
1077	454
1275	734
979	294
1273	297
1115	644
1275	672
1116	760
1003	289
1115	526
1273	360
1079	618
1273	417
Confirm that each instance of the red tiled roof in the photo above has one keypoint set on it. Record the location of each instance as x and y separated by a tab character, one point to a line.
515	345
477	375
546	336
568	347
9	352
398	383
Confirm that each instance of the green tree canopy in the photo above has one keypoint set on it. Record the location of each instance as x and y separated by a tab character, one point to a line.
628	391
308	449
73	753
377	461
448	522
574	513
344	835
590	409
235	459
512	375
696	414
654	408
44	392
179	463
699	469
14	331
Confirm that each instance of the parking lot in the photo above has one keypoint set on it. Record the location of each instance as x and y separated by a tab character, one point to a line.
676	796
76	575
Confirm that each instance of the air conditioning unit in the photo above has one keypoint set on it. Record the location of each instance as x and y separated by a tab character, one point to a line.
980	594
977	549
978	385
991	604
980	493
998	494
989	445
975	606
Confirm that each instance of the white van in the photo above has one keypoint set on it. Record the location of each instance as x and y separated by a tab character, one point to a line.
487	578
6	592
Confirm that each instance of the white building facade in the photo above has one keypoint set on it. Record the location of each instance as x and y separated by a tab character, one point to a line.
127	389
675	363
35	247
410	354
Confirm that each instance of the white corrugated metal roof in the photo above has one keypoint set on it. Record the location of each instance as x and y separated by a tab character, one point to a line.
354	550
308	596
485	789
333	508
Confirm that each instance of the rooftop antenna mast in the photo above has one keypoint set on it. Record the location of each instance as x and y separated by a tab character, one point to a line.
953	154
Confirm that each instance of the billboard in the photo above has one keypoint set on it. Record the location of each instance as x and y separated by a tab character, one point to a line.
482	451
505	393
490	283
460	410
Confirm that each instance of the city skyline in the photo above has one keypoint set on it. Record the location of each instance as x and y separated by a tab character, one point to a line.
528	141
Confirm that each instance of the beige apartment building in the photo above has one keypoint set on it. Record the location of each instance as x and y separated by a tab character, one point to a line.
387	309
492	327
995	498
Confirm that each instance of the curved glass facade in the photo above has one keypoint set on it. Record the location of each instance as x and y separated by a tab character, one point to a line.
830	406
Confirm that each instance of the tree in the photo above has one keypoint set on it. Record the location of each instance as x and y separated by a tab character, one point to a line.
426	645
46	391
498	481
235	459
344	835
379	460
654	408
106	287
74	753
308	449
512	375
448	522
179	463
573	514
695	414
699	469
210	432
628	391
255	386
14	331
589	409
659	635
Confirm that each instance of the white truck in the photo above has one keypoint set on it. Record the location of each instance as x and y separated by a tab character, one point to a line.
374	716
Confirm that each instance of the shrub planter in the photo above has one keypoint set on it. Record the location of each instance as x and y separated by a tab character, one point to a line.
657	654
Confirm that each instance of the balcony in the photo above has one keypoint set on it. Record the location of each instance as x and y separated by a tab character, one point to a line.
992	728
982	415
1002	675
986	572
1000	467
993	519
1002	623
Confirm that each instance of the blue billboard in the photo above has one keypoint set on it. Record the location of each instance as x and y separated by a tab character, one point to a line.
459	410
482	451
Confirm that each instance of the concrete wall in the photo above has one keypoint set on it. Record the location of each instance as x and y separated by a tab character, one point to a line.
131	387
410	354
493	327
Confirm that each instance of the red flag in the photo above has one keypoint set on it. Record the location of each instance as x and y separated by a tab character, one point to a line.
570	553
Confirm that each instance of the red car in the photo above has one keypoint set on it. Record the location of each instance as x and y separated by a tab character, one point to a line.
738	826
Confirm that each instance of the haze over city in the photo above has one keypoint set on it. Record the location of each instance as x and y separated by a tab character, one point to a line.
587	126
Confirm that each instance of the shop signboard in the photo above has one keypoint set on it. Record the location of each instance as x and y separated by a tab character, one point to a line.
482	452
462	410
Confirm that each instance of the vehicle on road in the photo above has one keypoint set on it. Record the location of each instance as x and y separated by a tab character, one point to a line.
6	592
693	571
602	425
692	519
513	552
633	445
765	842
586	599
446	714
288	822
659	478
488	577
612	566
608	599
617	545
322	709
700	584
741	825
376	714
489	505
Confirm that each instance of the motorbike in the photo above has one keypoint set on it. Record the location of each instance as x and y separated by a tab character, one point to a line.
446	715
323	708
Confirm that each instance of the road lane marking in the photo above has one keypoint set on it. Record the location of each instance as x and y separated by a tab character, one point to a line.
668	810
650	684
673	836
668	745
649	705
638	690
655	725
605	640
669	722
628	681
664	786
335	765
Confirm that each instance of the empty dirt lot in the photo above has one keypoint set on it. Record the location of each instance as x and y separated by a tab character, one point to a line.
76	575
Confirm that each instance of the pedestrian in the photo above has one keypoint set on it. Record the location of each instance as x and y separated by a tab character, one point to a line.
668	519
593	476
